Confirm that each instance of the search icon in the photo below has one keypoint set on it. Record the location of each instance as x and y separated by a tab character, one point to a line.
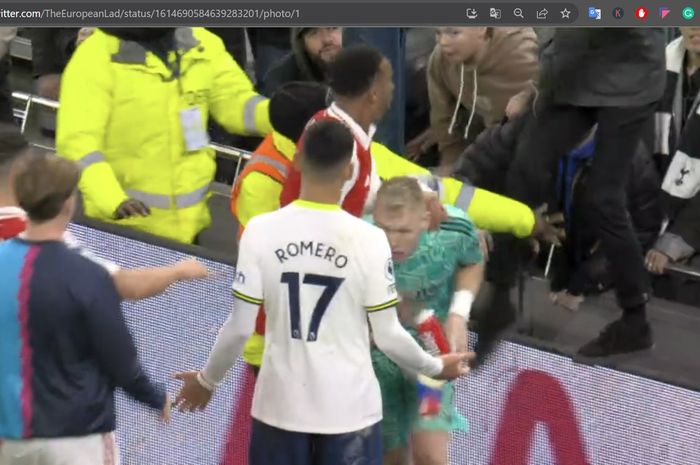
518	13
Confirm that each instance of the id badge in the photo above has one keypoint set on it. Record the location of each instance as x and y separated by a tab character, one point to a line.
196	137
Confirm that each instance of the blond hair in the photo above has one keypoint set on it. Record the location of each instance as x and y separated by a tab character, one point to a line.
400	194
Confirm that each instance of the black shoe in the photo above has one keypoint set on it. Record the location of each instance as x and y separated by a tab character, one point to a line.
499	314
485	344
621	336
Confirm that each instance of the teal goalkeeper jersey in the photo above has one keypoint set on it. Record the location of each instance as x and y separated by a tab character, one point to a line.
427	276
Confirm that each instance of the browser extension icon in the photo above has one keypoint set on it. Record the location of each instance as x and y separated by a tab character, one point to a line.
594	13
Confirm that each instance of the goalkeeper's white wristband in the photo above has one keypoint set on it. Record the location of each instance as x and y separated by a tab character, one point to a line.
205	384
462	303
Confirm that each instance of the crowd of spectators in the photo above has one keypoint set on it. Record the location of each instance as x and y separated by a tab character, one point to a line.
138	107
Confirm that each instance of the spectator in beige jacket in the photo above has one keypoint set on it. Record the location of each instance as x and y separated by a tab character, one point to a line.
477	76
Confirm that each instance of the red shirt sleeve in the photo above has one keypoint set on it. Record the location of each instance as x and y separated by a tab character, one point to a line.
11	227
292	187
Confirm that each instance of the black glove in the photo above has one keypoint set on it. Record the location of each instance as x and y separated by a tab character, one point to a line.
548	228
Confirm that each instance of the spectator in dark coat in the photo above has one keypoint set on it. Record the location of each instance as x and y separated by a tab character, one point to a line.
312	49
678	134
582	268
51	50
612	77
678	150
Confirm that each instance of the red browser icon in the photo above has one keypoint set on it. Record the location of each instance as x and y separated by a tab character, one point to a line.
641	13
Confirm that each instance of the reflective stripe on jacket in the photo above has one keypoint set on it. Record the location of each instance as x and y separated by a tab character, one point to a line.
121	119
257	188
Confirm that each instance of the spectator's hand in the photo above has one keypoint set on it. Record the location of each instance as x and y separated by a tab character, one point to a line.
456	333
436	210
517	103
166	413
420	145
83	34
190	269
485	244
49	86
656	262
131	207
455	365
192	396
548	228
444	170
566	300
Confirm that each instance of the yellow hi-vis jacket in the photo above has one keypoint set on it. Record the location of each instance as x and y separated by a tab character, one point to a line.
120	119
256	193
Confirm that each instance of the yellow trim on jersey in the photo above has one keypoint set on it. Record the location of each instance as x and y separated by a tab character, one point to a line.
316	205
384	306
246	298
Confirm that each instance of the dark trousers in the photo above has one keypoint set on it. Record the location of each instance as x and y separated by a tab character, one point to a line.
556	130
5	93
274	446
234	41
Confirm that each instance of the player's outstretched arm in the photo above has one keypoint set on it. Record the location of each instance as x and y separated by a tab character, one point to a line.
198	386
496	213
392	339
141	283
468	280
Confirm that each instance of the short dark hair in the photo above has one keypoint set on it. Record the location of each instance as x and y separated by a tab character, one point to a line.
12	146
42	185
353	70
293	105
326	147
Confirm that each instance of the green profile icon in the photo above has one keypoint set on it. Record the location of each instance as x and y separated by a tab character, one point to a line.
688	13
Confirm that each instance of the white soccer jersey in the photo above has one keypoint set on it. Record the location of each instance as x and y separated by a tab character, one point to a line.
318	270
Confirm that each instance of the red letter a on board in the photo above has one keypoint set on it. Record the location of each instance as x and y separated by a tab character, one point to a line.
537	397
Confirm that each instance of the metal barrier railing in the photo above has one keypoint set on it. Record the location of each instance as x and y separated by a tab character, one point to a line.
684	271
240	156
30	100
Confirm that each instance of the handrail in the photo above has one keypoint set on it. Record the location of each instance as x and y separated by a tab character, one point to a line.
239	155
227	150
36	99
684	270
